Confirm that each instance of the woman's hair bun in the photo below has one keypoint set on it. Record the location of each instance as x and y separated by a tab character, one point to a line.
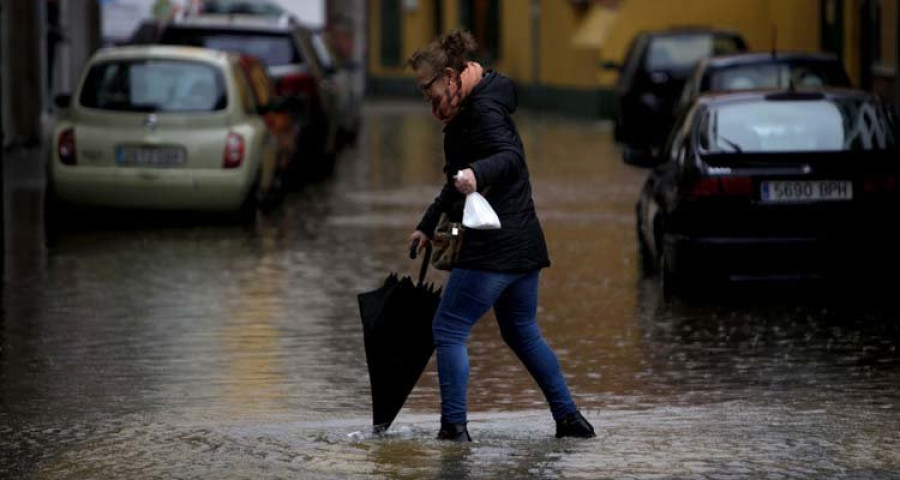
458	44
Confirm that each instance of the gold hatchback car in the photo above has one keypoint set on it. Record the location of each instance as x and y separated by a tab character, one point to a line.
172	128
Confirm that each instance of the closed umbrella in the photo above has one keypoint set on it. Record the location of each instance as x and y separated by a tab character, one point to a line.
396	321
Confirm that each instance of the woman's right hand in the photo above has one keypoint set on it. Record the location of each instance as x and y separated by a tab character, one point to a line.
421	237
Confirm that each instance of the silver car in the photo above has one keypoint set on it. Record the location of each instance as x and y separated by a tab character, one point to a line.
164	128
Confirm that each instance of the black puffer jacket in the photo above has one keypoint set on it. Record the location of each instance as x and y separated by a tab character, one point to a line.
483	137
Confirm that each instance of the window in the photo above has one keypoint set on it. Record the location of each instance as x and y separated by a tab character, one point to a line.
391	31
272	49
681	52
798	126
154	86
482	19
775	75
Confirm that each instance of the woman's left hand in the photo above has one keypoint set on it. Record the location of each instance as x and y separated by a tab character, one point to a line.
466	182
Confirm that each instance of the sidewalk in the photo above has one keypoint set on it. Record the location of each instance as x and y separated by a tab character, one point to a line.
23	188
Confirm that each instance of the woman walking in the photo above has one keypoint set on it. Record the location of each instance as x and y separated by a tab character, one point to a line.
495	268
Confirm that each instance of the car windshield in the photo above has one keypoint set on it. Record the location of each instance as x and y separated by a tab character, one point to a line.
273	49
681	52
823	125
154	86
775	75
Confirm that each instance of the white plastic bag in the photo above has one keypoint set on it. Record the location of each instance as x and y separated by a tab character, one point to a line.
478	213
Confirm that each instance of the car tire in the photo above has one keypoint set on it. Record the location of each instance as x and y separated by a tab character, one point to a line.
645	258
672	283
254	200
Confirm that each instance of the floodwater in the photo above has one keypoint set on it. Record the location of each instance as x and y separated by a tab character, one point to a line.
162	348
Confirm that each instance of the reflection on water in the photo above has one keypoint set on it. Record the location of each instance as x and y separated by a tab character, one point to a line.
197	349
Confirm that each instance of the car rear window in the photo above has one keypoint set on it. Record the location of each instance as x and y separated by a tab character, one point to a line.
154	86
681	52
823	125
274	49
776	75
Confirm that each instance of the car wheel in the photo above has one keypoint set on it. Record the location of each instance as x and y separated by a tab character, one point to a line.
672	284
252	203
645	258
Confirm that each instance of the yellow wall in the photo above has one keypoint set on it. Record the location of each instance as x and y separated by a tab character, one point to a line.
562	65
515	39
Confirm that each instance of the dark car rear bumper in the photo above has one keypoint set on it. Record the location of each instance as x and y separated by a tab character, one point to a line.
784	257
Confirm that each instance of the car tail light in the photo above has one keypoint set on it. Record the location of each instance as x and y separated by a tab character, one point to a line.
881	183
298	84
66	147
722	186
234	151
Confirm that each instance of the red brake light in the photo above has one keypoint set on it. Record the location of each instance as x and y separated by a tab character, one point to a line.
722	186
881	183
737	186
66	147
234	151
297	84
704	187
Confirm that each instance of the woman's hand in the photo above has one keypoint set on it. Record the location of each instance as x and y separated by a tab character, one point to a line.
466	182
418	236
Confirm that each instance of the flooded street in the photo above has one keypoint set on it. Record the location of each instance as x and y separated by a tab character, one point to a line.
158	348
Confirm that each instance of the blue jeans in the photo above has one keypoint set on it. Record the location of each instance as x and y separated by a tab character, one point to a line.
468	295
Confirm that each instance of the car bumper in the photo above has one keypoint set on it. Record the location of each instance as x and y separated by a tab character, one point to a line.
786	257
166	189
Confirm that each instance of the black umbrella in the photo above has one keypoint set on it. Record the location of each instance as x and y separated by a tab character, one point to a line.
396	322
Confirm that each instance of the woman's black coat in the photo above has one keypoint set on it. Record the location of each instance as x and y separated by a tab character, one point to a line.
483	137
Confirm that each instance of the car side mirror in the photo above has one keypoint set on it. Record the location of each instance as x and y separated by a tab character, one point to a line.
610	65
62	101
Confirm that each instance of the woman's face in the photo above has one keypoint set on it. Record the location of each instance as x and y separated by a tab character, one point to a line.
432	85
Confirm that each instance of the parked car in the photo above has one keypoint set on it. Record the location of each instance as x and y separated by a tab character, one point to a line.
286	48
652	78
749	71
340	80
251	7
773	184
164	128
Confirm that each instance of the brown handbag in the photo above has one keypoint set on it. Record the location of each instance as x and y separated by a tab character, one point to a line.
447	241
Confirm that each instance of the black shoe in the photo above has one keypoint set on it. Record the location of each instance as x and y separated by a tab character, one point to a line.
455	432
576	426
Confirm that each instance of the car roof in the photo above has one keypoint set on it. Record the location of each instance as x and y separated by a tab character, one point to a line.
714	99
161	51
725	61
249	22
689	30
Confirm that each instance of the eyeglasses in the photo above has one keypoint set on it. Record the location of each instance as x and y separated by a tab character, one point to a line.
424	88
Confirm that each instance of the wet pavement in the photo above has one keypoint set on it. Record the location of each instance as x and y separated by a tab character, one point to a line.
192	348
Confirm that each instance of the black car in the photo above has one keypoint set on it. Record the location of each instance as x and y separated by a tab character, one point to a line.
753	71
773	184
652	78
287	50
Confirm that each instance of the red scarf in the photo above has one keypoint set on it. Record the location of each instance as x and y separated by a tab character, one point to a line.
448	106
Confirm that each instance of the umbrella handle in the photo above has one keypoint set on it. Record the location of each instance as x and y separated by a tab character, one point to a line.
425	261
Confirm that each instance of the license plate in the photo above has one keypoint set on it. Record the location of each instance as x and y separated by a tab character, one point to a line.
794	191
150	156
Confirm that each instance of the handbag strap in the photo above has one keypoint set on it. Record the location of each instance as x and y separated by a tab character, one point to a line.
425	261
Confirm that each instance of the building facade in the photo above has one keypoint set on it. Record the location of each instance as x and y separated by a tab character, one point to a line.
553	48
